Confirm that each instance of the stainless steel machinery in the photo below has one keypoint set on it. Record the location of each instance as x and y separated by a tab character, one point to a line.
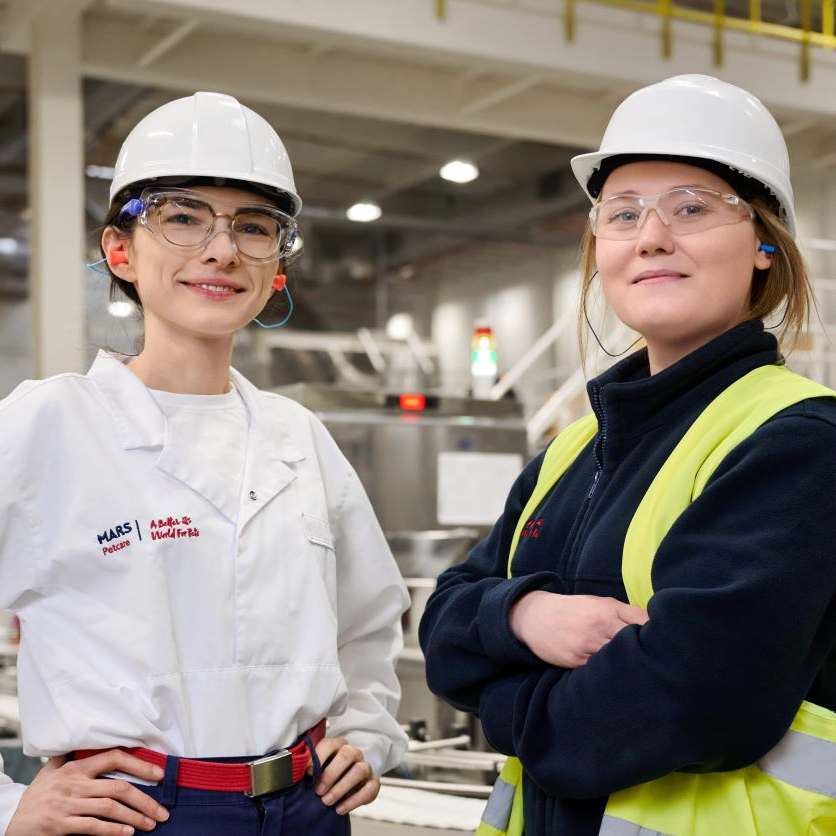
437	471
417	454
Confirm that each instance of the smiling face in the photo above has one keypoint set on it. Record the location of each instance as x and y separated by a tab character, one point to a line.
207	292
677	291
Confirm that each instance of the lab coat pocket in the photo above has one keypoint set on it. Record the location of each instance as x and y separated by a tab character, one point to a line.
318	531
320	538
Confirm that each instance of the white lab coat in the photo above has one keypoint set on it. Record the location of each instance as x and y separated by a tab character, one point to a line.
157	612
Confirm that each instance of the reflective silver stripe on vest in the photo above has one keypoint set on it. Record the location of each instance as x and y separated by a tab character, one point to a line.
498	809
806	762
611	826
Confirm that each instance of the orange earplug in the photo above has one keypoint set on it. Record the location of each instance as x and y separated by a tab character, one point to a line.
117	257
279	282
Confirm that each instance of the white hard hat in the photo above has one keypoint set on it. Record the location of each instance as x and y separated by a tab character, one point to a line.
702	118
206	135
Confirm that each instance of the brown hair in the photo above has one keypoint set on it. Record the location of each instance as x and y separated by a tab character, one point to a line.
784	286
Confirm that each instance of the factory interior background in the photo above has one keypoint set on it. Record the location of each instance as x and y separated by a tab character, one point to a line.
464	294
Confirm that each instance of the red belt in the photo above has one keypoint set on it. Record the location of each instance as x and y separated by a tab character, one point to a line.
259	777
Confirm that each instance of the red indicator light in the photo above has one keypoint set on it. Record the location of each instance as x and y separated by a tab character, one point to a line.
412	402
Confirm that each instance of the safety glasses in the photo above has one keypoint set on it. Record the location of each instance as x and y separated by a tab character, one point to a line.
186	220
684	211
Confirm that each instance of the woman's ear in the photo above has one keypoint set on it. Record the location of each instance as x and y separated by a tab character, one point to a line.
116	250
763	256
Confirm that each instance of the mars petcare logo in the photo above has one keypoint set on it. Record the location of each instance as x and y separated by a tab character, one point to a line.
116	538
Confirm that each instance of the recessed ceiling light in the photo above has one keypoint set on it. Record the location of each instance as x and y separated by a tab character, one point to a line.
100	172
459	171
364	212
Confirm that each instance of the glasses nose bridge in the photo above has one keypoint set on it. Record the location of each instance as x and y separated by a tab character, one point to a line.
652	204
214	232
229	225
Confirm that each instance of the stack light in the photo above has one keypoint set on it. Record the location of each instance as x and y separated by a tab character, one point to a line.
483	359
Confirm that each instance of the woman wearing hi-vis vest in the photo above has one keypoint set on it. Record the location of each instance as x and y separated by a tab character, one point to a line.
646	630
210	613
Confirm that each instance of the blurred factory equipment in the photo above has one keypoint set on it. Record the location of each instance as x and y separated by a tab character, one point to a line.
429	462
361	359
9	640
16	765
437	470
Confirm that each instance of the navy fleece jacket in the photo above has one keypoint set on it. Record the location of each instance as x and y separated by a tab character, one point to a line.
741	625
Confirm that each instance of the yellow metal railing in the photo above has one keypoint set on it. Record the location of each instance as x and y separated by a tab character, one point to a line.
667	11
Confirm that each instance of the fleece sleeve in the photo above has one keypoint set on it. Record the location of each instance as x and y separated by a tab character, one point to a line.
742	619
464	633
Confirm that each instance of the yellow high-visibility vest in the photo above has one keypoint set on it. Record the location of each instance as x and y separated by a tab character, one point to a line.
791	791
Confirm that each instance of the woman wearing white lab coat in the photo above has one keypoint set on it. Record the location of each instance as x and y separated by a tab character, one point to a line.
195	566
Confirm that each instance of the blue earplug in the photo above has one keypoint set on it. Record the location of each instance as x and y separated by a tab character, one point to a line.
767	248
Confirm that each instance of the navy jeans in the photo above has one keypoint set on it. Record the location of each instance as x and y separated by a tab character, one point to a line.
298	810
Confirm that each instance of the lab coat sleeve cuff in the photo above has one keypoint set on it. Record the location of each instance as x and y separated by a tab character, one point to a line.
499	642
9	799
382	754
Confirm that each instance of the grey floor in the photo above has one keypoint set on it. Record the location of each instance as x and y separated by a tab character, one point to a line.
367	827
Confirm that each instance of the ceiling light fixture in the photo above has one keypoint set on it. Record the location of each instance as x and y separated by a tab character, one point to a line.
364	212
100	172
459	171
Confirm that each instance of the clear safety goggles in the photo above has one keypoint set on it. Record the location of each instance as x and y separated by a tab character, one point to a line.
684	211
185	219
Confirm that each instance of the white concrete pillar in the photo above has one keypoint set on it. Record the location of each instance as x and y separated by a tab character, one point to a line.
56	191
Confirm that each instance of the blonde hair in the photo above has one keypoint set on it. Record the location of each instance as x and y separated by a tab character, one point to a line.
784	286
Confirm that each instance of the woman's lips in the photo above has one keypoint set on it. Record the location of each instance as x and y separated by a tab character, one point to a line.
214	288
658	277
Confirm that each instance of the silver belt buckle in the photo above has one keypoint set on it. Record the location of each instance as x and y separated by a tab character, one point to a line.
270	774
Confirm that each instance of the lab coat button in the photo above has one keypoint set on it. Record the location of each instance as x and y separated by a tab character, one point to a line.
253	495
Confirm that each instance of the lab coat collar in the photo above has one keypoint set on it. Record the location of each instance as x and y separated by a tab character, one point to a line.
140	422
266	434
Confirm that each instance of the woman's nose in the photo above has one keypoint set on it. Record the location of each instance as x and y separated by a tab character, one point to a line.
221	246
654	234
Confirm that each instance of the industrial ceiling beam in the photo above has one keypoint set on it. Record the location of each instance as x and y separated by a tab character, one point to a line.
500	94
163	45
530	38
340	82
